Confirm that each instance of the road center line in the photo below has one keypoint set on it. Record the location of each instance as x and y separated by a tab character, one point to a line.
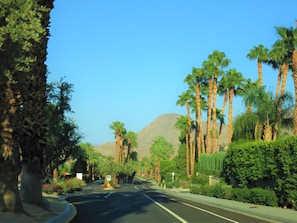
166	209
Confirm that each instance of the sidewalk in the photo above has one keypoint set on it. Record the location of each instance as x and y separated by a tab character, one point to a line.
271	214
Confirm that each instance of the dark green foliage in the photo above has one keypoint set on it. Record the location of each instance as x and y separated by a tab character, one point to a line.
200	179
265	164
222	190
211	164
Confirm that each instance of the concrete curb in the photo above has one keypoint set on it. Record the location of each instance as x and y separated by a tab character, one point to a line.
66	216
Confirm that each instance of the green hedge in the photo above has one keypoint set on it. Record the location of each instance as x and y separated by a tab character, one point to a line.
255	195
211	164
265	164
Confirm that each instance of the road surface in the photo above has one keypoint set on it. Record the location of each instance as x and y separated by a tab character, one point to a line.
139	203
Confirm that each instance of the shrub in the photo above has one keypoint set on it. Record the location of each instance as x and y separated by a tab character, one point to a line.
64	186
263	197
51	188
222	190
200	179
240	194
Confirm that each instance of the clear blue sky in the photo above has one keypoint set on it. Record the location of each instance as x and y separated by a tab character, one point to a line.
127	59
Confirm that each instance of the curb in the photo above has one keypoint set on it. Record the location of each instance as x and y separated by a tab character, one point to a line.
66	216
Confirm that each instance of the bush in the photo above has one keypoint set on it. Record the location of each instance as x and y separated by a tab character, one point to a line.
255	196
63	186
200	179
222	190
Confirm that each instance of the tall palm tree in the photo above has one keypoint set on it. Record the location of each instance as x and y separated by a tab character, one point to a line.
182	124
119	130
219	61
235	80
209	70
260	53
199	79
289	37
131	138
184	100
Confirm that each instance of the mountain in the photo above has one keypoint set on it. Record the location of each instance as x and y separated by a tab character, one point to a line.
163	125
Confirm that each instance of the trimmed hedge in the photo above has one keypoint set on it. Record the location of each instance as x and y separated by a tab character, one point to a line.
255	195
265	164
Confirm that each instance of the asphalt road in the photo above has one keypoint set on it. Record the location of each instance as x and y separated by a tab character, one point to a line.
139	203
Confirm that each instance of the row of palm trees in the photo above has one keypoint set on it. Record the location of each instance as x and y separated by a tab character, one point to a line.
122	139
205	83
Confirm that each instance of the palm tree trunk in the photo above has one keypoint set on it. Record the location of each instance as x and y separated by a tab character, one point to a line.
187	153
294	68
230	125
199	130
285	70
214	119
278	83
260	73
209	114
10	157
190	137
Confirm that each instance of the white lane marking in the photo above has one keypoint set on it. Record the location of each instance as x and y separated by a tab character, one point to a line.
108	195
211	213
166	209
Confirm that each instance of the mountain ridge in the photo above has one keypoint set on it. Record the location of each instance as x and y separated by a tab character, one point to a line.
163	125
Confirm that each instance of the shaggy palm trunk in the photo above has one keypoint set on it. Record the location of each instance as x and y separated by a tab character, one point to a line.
34	130
214	148
294	68
190	138
278	83
187	153
9	152
198	119
260	73
209	114
230	127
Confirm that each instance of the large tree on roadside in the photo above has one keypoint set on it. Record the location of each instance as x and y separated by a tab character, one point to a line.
23	38
33	112
219	61
259	53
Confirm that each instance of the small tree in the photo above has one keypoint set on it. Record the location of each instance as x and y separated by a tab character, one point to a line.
161	149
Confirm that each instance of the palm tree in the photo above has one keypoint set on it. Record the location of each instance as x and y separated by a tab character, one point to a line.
289	37
182	124
184	99
119	130
219	61
131	138
260	53
209	70
250	93
235	80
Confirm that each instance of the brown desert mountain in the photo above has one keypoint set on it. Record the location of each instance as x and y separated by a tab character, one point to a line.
163	125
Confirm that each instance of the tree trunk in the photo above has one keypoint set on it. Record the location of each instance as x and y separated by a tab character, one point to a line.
260	73
294	68
214	119
190	136
230	127
209	114
31	190
9	150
